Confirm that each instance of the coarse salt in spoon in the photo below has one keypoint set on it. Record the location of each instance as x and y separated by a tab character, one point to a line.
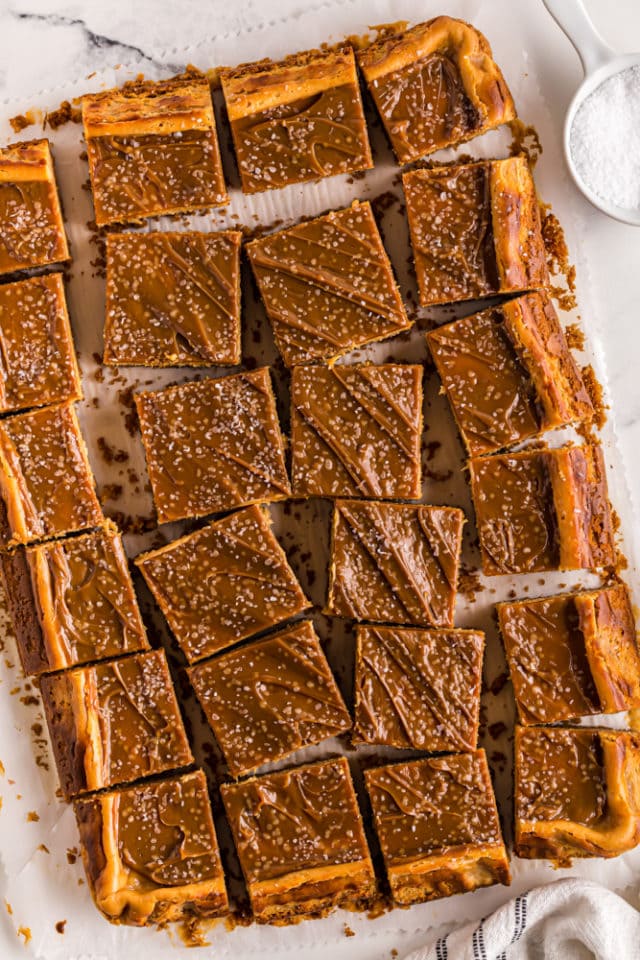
602	126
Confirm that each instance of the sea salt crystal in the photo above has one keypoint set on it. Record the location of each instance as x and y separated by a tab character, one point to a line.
605	139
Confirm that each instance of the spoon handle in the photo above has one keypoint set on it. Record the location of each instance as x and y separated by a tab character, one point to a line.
572	17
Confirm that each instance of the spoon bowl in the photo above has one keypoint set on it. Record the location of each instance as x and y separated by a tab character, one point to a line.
600	63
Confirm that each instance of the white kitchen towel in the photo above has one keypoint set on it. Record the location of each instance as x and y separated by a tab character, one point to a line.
567	920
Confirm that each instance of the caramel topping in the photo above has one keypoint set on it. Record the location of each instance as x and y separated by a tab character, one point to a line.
394	562
152	150
213	445
37	359
114	722
543	510
572	656
85	600
173	299
294	122
327	285
475	230
223	583
435	86
31	230
270	698
509	374
577	792
299	819
418	689
424	807
355	430
151	852
45	479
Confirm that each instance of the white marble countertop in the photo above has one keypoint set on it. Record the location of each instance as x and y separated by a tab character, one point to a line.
41	49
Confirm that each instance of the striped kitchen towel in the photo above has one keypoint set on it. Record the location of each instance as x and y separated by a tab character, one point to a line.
566	920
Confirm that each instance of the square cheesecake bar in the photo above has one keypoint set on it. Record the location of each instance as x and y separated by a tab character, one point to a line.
270	698
300	841
212	445
394	563
72	601
437	823
435	85
327	285
114	722
173	299
39	364
543	510
572	655
31	229
152	150
223	583
297	120
509	374
475	230
356	430
418	689
577	792
150	852
46	484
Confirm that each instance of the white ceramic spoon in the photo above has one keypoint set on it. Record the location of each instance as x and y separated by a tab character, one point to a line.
599	62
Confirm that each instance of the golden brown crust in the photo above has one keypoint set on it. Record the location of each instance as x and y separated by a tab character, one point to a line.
583	511
27	160
520	251
165	107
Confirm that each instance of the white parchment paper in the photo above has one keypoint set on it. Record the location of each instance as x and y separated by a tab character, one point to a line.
37	830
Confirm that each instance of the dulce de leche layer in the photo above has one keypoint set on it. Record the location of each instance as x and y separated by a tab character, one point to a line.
296	120
475	230
31	229
435	85
509	374
114	722
543	510
572	656
300	841
150	852
72	601
394	563
577	792
418	689
437	823
327	285
355	430
270	698
223	583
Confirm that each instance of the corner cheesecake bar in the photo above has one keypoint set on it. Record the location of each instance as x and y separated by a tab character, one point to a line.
435	85
573	655
509	374
153	150
356	430
151	854
72	601
394	563
223	583
543	510
577	792
437	823
31	229
46	485
296	120
475	230
212	445
300	841
173	299
270	698
418	689
327	285
39	364
114	723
